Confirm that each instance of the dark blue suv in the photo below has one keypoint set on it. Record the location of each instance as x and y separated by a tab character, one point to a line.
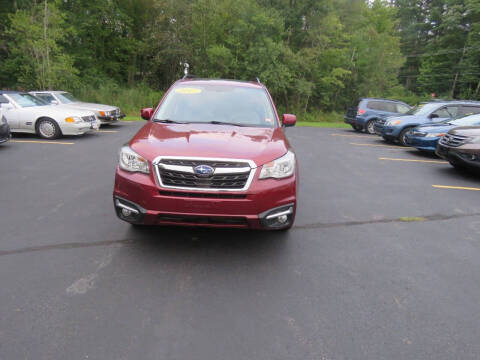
363	116
396	127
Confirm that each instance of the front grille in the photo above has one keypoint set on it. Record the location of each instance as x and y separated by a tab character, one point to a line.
201	195
115	112
453	140
212	163
179	173
203	220
90	118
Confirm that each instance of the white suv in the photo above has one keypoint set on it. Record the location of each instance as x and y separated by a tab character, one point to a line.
27	114
105	113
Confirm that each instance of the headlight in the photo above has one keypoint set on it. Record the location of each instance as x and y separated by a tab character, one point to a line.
281	168
104	113
131	161
434	135
393	122
73	119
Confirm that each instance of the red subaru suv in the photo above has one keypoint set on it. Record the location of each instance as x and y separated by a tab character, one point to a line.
214	154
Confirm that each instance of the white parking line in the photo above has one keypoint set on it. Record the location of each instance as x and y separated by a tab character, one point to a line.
414	160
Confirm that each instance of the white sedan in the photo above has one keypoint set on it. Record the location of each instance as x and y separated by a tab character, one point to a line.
105	113
27	114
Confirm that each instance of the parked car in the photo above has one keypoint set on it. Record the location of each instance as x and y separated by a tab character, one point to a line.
213	153
105	113
461	147
425	137
363	115
4	128
27	114
396	128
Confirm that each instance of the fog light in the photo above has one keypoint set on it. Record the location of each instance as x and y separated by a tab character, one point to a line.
282	219
126	212
278	218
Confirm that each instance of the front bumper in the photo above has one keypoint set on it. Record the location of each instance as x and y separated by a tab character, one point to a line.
422	143
110	119
79	128
4	133
390	132
459	156
255	208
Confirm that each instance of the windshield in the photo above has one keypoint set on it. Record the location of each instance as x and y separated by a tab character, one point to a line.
466	121
422	109
27	100
236	105
66	98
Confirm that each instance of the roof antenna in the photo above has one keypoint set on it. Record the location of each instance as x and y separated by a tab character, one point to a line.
258	80
186	66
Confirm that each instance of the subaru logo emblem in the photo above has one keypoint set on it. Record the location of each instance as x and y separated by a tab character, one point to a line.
203	171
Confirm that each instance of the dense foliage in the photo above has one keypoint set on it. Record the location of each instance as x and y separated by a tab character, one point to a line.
312	54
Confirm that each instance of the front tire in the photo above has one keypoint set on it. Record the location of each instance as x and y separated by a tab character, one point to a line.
401	138
48	129
370	127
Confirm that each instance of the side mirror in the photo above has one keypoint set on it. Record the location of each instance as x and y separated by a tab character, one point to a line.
289	120
434	116
146	114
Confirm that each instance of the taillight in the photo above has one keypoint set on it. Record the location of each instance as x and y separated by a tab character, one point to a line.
361	111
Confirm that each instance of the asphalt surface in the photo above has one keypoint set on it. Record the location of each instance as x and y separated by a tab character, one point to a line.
380	264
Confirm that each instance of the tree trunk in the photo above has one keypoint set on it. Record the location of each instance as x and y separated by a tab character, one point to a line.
45	39
456	74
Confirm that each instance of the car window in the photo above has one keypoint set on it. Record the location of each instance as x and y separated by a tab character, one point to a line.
205	103
376	105
66	98
468	110
442	113
27	100
402	109
422	109
3	100
453	110
46	97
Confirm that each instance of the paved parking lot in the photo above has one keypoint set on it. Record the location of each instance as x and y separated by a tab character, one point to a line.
383	262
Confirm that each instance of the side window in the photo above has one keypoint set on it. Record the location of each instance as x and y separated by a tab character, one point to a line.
375	105
390	107
453	110
402	109
46	97
468	110
3	100
441	113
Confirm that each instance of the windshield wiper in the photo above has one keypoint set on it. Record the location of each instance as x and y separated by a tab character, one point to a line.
168	121
223	123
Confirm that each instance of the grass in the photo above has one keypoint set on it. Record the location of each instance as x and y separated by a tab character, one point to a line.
320	124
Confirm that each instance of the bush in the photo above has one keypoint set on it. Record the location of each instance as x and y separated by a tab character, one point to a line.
130	100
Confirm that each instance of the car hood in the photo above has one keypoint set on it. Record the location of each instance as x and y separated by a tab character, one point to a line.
207	140
408	119
91	106
434	128
466	131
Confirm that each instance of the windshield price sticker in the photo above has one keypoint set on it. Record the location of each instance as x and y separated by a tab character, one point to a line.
188	91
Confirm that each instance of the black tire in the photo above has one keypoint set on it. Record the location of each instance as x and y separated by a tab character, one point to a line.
48	129
401	137
369	127
458	166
